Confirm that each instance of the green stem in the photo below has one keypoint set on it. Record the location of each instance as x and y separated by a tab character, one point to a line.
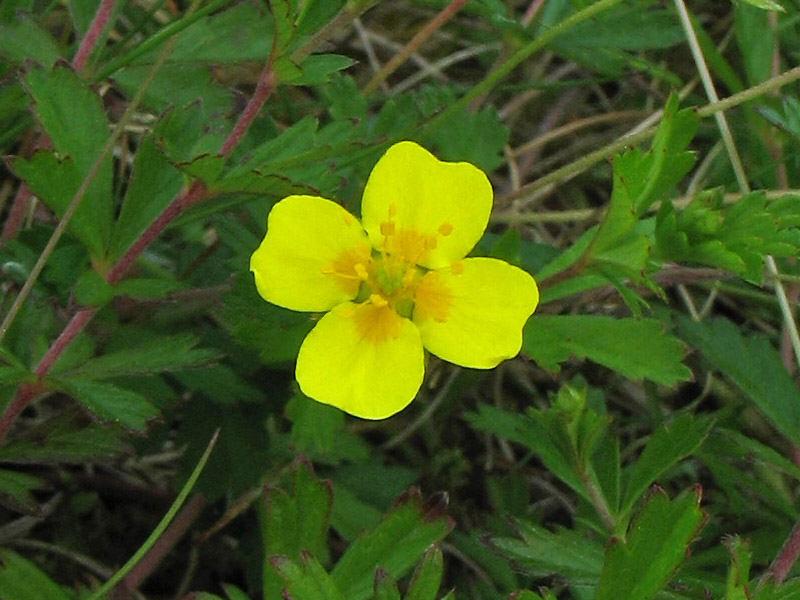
162	525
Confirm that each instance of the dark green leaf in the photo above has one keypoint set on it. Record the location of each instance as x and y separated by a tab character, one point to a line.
20	579
154	356
112	404
635	348
639	567
73	117
739	571
668	445
295	523
311	582
92	289
316	427
749	362
564	552
21	39
427	576
385	586
396	544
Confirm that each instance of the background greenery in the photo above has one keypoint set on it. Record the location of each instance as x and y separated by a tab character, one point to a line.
645	443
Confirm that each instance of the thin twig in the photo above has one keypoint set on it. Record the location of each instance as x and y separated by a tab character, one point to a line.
423	34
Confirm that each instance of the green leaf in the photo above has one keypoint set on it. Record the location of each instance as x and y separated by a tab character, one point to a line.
55	182
639	567
565	553
534	430
72	115
316	427
20	579
154	182
749	362
427	576
22	39
396	544
739	572
294	523
311	582
92	289
671	443
635	348
16	491
385	586
111	403
157	355
735	238
765	4
65	439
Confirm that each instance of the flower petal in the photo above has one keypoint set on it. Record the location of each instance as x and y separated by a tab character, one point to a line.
472	314
441	201
308	256
362	358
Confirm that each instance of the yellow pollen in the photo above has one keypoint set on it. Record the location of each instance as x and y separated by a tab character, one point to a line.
457	267
387	228
446	228
392	210
378	300
430	242
361	271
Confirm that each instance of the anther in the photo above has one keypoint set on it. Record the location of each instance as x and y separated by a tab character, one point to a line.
361	271
378	301
446	228
457	267
387	228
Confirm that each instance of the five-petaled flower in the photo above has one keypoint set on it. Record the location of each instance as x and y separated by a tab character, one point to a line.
394	283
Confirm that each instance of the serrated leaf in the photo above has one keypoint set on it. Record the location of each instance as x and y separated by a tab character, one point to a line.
396	544
315	426
564	552
22	38
295	522
739	572
749	362
635	348
735	238
670	443
112	404
65	439
311	582
73	117
427	576
640	566
20	579
171	353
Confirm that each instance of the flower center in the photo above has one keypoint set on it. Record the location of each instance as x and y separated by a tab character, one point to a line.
390	279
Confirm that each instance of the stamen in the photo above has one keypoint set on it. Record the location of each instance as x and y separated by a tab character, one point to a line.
378	301
392	210
457	267
429	242
446	228
387	228
361	271
328	269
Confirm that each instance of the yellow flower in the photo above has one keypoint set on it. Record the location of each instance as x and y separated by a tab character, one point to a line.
394	283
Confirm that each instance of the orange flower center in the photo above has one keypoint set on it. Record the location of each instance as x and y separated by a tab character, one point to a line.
391	281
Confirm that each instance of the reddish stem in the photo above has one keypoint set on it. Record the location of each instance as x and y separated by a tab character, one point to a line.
17	212
96	27
181	202
22	199
264	88
174	532
787	556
